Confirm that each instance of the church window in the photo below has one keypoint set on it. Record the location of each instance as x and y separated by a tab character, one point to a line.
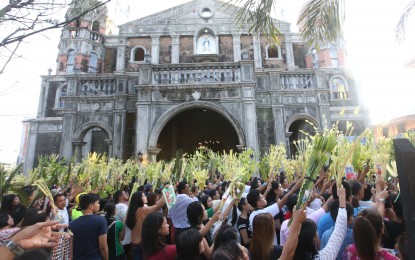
139	54
339	88
70	62
95	26
273	52
93	60
60	93
333	56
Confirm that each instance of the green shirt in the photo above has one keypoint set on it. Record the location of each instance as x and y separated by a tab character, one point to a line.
76	214
209	212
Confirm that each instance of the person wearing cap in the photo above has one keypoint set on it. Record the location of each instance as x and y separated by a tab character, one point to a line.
77	212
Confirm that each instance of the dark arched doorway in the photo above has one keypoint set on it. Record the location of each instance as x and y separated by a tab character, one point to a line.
95	141
299	130
194	128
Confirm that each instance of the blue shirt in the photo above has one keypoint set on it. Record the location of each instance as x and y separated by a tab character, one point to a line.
348	240
178	213
86	231
326	222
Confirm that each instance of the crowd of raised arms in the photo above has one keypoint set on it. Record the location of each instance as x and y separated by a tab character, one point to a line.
355	219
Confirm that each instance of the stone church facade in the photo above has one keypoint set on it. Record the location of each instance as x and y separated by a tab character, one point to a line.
182	78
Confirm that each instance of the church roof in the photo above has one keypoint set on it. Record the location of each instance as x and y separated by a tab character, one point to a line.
187	17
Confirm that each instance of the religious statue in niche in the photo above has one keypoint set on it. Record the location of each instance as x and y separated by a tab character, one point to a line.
206	44
338	88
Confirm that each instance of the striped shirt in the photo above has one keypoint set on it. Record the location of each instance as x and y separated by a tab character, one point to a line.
178	213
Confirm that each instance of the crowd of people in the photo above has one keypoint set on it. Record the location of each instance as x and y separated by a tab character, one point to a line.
355	219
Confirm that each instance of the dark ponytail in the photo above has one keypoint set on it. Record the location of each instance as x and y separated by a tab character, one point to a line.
367	231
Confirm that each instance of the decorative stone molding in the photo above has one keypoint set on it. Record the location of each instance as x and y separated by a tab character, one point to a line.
83	129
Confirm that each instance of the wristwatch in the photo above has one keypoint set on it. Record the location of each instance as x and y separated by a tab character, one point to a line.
382	200
14	247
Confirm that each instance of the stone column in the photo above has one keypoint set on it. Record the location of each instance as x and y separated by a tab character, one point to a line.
175	49
289	53
77	147
249	112
120	58
118	136
257	52
278	116
155	49
31	148
110	149
43	97
142	128
152	154
69	117
236	47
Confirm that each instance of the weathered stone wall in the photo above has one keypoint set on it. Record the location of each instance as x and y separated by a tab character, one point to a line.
186	49
165	50
110	61
266	131
47	144
129	137
226	48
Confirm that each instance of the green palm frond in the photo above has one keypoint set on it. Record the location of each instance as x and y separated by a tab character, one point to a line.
321	21
257	14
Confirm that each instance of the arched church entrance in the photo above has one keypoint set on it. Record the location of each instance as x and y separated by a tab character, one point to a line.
96	140
298	130
92	137
196	127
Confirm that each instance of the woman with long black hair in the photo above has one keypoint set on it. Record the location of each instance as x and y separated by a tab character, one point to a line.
155	229
137	212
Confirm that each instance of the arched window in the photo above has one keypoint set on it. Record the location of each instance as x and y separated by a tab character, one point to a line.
60	92
70	63
93	61
333	56
273	52
339	88
138	54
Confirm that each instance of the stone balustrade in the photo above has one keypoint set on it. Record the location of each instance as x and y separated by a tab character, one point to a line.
97	87
209	73
297	81
77	32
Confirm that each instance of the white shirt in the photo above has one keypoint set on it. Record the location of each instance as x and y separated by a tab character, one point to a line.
273	210
62	216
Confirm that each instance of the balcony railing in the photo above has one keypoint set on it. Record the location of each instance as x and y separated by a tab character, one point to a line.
196	73
297	81
98	87
76	32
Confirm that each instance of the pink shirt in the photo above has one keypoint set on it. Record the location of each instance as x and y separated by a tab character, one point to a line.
350	253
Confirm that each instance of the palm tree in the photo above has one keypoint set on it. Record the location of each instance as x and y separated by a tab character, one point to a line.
400	28
320	21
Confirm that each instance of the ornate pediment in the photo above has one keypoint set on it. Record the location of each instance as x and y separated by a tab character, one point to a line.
195	14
